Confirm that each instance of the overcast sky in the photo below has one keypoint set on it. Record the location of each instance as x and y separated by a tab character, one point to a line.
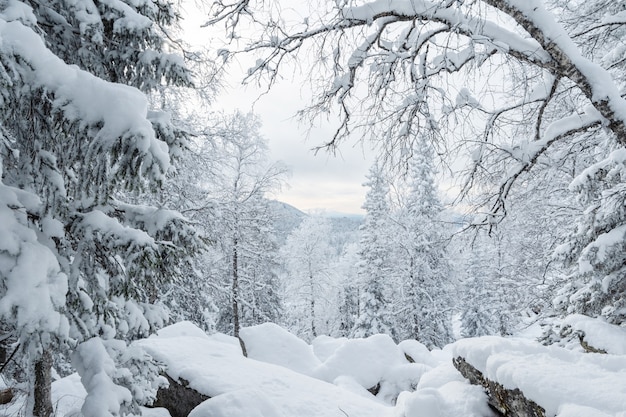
318	181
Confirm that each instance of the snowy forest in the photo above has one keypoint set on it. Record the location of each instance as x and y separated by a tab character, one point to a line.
486	277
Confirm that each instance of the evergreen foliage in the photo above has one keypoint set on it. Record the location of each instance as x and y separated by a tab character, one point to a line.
375	261
427	279
83	259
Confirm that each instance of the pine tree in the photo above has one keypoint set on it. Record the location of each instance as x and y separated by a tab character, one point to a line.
81	257
427	279
375	263
479	309
348	298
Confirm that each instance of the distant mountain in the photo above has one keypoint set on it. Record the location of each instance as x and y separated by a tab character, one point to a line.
287	218
345	230
336	214
345	226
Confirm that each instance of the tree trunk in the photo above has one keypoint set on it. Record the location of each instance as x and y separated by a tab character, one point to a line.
235	295
313	329
235	290
43	386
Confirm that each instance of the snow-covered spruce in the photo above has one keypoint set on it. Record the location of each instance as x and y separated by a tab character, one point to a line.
78	260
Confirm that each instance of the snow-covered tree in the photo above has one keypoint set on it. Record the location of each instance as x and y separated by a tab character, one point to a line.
308	282
348	298
425	307
515	83
375	263
480	307
81	258
247	259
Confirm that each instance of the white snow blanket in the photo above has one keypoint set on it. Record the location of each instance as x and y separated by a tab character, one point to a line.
285	377
599	334
241	386
564	382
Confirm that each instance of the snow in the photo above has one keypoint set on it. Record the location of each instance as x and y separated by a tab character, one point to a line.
325	346
96	368
599	334
555	378
565	382
121	110
493	34
17	10
602	85
214	366
97	221
365	360
242	384
272	344
417	352
68	395
34	287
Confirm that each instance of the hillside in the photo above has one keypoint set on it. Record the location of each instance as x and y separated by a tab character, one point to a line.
345	226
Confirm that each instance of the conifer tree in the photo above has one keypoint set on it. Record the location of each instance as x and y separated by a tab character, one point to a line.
479	309
427	279
375	260
81	259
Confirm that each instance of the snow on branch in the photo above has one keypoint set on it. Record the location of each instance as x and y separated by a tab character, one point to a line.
116	111
526	154
472	26
34	287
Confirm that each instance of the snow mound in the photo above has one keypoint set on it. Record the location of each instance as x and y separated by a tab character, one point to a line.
239	386
182	329
245	402
417	352
556	378
271	343
215	369
453	399
325	346
598	333
365	360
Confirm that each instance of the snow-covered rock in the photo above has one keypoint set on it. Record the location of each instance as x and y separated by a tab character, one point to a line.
366	360
271	343
562	381
241	385
598	333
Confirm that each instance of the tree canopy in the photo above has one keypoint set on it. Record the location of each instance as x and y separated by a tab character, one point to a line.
520	88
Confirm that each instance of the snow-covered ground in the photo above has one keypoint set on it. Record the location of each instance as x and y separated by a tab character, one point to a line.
284	376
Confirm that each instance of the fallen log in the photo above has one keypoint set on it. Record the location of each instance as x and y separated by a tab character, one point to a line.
507	402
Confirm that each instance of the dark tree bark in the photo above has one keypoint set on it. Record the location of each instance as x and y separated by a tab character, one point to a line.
313	329
235	295
43	386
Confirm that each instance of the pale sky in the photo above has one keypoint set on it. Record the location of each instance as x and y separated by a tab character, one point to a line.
318	181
